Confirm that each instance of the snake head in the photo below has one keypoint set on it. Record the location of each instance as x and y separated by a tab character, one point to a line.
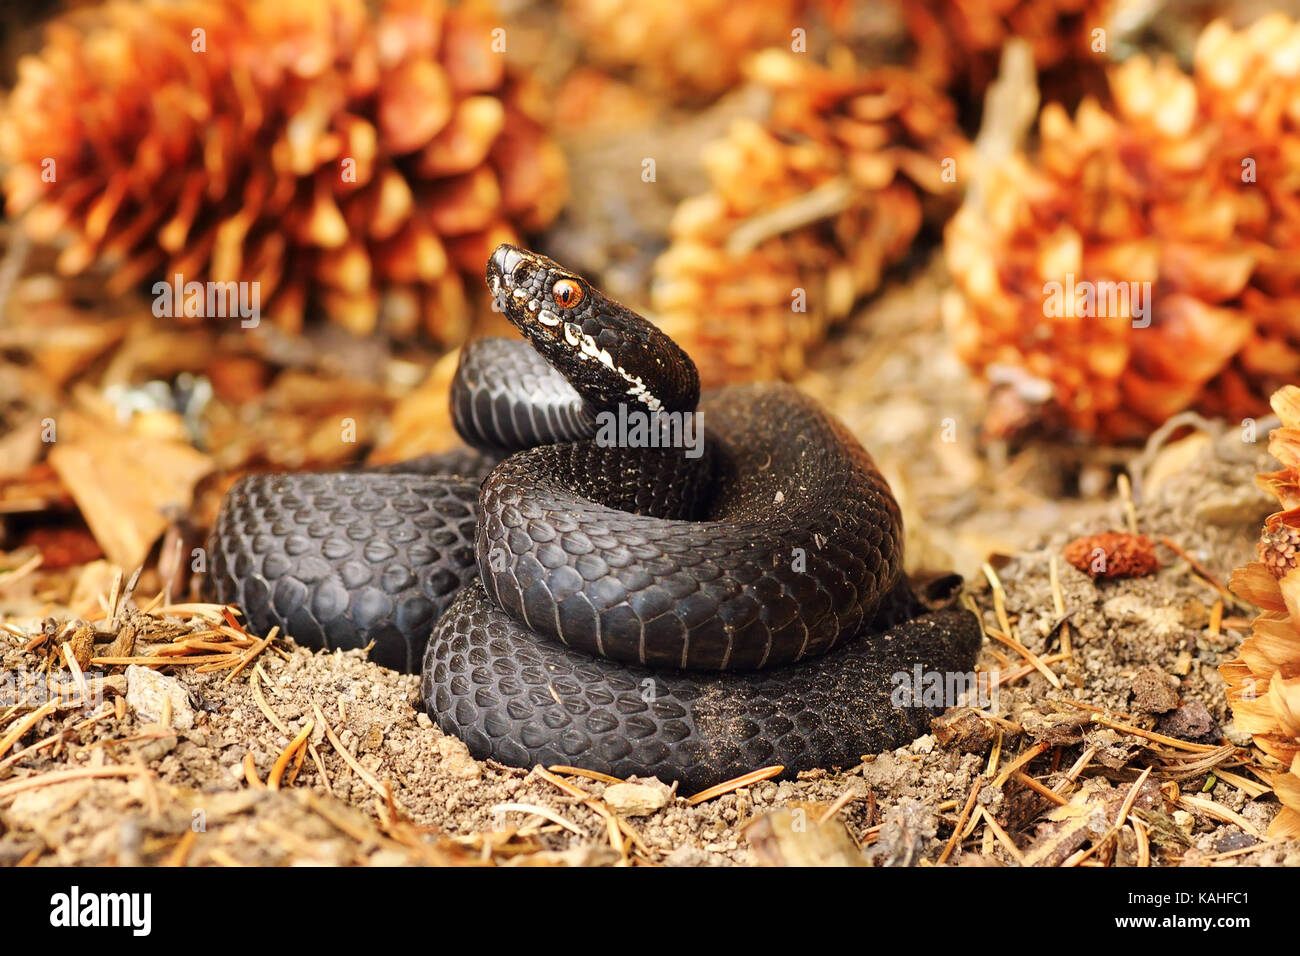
609	353
536	293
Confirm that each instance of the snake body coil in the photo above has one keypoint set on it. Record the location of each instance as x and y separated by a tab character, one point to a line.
688	612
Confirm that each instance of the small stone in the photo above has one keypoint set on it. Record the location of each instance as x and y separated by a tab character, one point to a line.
1234	840
923	744
1154	692
637	799
146	694
1236	736
456	760
1164	623
1193	721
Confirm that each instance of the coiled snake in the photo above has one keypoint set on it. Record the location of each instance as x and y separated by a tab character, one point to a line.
599	584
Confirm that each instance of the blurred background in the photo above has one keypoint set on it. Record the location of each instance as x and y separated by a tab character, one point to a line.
864	198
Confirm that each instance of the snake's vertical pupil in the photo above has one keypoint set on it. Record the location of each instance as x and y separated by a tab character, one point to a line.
566	293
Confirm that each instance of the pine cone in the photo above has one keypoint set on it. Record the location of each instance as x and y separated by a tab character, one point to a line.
1263	683
1250	84
807	210
958	42
356	163
682	50
1150	191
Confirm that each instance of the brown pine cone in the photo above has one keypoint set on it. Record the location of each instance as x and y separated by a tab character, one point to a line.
958	42
363	164
1263	682
807	210
1142	206
1249	82
682	50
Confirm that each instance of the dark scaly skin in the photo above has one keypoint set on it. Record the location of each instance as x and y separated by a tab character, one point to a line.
336	560
792	555
524	701
485	399
641	555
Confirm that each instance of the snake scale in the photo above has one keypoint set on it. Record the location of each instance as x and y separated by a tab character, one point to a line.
690	610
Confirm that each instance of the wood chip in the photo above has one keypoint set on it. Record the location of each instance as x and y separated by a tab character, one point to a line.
124	484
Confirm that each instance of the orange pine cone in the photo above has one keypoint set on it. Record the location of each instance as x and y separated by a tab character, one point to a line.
807	210
1263	683
684	50
361	164
1249	81
958	41
1135	267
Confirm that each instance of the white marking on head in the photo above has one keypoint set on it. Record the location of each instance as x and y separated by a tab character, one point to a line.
547	317
588	350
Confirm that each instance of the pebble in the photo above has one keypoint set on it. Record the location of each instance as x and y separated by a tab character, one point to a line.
1192	721
456	760
1154	692
1236	735
637	799
1163	622
146	692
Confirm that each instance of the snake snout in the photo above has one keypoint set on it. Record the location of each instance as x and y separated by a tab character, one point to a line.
502	263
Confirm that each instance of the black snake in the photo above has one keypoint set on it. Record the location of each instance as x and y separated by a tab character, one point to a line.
662	601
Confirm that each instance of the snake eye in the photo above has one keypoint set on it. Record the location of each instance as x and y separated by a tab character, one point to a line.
566	293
